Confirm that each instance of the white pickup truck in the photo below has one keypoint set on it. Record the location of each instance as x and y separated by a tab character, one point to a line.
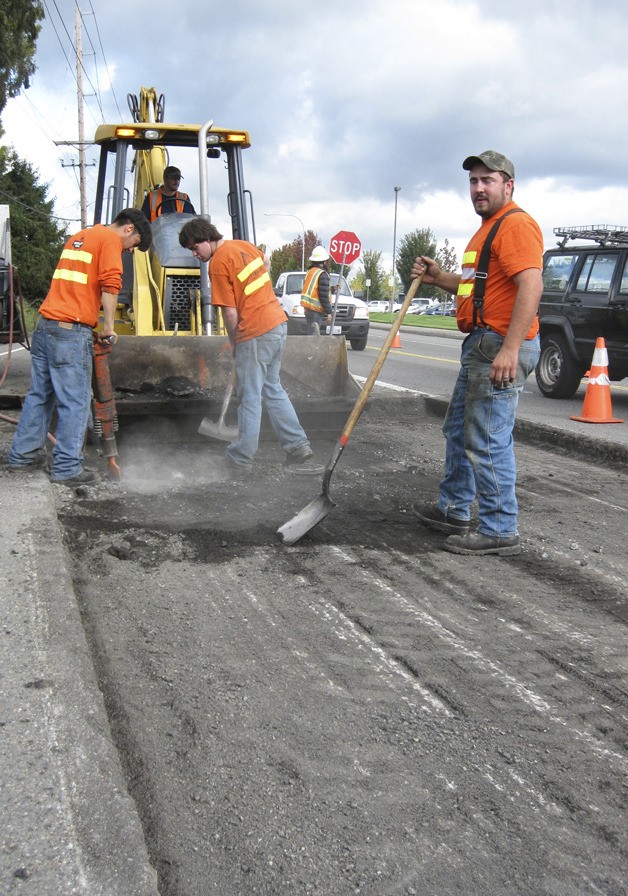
352	316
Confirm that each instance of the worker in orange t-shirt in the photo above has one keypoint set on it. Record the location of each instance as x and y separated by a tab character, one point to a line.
88	276
256	327
499	353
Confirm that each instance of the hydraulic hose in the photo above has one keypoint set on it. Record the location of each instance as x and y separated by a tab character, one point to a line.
12	320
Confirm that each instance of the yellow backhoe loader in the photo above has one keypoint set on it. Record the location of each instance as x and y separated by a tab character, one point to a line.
172	351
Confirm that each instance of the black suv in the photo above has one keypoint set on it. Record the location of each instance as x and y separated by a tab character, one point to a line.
585	296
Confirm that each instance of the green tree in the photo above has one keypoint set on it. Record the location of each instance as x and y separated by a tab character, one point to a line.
423	242
19	29
289	256
36	237
373	271
446	257
419	242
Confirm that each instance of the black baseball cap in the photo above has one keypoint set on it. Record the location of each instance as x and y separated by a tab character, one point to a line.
172	171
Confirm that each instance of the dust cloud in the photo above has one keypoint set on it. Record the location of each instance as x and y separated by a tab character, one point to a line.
165	455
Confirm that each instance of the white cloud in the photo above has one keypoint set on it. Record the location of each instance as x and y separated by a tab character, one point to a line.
346	100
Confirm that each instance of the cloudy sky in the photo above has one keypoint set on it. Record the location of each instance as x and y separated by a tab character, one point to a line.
346	99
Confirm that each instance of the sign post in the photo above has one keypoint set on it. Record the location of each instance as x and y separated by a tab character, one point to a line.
344	248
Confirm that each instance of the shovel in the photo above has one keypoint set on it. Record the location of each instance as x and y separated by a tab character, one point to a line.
219	430
316	511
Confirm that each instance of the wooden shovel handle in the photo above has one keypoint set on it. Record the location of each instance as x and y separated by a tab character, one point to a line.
379	363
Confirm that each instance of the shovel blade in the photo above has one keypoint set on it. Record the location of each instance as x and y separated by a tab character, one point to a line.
217	430
305	520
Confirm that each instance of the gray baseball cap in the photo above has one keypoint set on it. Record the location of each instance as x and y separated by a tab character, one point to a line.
494	161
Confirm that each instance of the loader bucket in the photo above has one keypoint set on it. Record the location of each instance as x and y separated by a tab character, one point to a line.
172	375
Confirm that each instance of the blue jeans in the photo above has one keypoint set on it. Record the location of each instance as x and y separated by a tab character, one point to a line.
316	322
480	457
61	371
258	362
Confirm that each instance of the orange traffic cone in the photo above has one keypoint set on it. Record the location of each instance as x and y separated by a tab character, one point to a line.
597	399
396	343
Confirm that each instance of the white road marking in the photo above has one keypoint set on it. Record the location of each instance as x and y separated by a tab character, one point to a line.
15	348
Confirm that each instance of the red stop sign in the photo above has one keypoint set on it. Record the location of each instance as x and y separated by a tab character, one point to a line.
345	247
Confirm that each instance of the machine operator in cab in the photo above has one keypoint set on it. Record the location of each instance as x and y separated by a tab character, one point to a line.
167	199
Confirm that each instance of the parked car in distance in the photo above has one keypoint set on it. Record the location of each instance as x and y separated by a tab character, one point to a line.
380	305
445	310
352	315
417	306
585	297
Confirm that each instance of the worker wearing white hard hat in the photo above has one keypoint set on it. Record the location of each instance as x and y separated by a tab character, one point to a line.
316	289
319	254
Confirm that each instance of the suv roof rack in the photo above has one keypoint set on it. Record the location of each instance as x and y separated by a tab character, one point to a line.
604	234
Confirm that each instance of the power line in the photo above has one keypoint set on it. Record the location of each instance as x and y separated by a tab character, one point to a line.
50	6
102	50
35	210
65	154
57	33
96	92
73	67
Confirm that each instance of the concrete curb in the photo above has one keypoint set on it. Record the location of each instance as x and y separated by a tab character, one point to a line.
69	824
534	433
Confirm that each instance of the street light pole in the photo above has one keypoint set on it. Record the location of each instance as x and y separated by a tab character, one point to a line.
282	215
392	298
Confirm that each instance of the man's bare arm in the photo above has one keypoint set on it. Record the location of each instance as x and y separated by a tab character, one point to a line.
230	317
432	273
109	303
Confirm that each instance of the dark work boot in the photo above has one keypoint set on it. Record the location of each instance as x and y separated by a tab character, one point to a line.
432	516
85	477
298	456
476	543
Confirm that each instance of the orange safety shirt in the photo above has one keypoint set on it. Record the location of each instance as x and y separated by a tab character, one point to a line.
157	199
517	246
240	280
90	264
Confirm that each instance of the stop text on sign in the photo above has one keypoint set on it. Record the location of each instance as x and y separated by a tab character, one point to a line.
345	247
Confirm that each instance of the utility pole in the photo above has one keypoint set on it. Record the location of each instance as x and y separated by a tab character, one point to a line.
81	122
394	276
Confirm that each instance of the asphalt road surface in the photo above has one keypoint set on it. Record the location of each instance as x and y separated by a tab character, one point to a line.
428	361
362	712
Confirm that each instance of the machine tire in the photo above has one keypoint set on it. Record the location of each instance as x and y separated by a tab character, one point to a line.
358	345
557	374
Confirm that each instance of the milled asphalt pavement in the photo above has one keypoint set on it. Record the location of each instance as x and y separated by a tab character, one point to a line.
68	823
